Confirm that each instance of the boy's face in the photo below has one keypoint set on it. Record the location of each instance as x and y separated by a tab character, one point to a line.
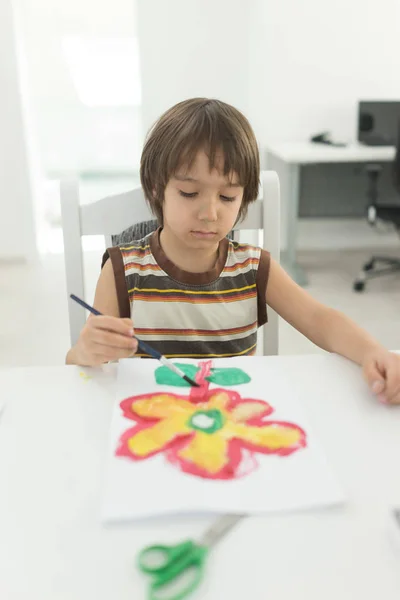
201	206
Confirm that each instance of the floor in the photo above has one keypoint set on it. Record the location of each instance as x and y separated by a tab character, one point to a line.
34	319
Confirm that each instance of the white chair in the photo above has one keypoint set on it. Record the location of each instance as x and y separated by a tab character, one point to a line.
113	214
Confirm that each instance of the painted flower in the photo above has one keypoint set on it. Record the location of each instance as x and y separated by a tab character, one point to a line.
216	437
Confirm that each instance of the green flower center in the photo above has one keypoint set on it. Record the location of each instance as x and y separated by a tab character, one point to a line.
207	421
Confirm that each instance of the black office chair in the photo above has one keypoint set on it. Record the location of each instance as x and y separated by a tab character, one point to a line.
381	265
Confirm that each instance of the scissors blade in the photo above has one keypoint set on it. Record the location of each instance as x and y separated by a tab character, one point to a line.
219	529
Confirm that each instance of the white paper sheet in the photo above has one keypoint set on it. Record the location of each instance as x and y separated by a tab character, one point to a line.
153	486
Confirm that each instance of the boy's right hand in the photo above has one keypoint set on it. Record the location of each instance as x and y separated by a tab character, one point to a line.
104	339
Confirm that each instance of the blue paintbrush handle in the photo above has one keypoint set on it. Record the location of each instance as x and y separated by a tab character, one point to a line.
87	306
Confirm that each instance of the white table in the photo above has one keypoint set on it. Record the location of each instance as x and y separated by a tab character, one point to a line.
53	546
287	159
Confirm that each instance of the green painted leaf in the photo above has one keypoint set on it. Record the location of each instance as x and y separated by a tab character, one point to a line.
231	376
166	377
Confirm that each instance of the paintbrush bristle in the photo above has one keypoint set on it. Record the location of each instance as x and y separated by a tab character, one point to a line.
191	381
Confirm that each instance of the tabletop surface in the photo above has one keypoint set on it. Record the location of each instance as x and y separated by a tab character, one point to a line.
308	152
53	546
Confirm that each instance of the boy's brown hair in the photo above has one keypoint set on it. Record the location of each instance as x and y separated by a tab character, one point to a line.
193	125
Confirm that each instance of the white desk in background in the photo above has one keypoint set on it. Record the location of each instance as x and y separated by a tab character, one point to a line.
287	159
53	446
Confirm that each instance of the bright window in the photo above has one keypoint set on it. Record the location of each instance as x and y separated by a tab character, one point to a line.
105	71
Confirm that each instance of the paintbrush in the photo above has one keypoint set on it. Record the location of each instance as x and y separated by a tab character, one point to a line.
143	346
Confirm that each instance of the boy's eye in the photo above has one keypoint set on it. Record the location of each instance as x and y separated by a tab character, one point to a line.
187	195
194	194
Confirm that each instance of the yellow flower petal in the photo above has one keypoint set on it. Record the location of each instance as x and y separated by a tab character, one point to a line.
207	451
154	438
248	410
161	406
272	437
219	401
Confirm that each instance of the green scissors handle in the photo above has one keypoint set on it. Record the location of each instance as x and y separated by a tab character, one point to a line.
174	562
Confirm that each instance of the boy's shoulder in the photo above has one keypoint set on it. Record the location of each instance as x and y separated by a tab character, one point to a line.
245	258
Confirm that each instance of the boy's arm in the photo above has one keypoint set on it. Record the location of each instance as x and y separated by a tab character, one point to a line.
326	327
106	302
334	332
105	297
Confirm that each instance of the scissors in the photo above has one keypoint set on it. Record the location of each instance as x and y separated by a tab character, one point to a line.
181	566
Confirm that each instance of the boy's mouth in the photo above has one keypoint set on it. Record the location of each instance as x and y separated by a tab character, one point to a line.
204	234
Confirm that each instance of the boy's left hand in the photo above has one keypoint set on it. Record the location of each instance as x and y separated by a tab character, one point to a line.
381	369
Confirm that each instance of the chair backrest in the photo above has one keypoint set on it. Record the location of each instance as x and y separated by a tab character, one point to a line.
111	215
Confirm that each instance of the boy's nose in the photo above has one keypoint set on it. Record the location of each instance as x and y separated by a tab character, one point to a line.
208	212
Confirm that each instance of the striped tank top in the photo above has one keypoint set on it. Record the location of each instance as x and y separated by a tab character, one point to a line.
192	315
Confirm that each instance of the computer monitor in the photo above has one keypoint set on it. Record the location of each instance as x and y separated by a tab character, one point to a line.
378	122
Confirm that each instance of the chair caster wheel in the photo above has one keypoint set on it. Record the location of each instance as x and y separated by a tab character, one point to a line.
359	286
369	266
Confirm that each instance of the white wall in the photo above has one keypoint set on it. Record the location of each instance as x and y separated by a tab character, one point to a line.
312	60
72	135
192	48
17	233
293	67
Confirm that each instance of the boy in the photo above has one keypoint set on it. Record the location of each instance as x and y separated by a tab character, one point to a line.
186	288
